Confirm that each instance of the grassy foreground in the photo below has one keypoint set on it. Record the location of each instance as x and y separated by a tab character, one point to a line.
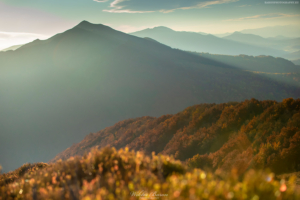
110	174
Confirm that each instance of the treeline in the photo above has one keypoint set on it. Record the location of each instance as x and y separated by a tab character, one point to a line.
251	134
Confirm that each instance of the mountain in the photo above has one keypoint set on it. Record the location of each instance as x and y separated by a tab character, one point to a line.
292	56
291	31
55	91
279	44
267	64
278	69
12	48
296	62
279	37
222	34
202	33
203	43
250	134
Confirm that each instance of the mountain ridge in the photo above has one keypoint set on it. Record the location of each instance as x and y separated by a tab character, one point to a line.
191	41
54	91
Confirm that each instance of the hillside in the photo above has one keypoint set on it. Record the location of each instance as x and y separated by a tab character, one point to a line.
190	41
284	44
288	31
278	69
250	134
109	174
292	56
267	64
55	91
296	62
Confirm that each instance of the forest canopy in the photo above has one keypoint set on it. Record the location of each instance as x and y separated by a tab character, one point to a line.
250	134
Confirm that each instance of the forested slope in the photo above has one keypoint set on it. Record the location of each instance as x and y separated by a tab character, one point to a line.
258	134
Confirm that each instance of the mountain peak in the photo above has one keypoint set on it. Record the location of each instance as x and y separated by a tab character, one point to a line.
237	33
162	28
84	23
88	25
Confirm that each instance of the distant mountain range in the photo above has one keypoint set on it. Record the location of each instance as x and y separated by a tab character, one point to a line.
270	32
266	64
289	31
278	69
292	56
12	48
290	45
296	62
204	43
55	91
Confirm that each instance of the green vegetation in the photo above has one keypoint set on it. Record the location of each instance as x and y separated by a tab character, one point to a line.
110	174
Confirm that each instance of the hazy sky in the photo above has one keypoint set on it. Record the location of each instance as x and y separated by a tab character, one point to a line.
24	20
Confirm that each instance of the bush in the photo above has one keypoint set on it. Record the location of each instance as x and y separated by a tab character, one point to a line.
124	174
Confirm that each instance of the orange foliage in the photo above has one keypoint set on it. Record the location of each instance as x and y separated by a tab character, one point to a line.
252	133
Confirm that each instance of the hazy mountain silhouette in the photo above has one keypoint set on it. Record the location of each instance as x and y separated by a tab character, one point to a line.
296	62
278	69
222	34
291	31
283	44
279	37
204	43
54	92
267	64
12	48
292	56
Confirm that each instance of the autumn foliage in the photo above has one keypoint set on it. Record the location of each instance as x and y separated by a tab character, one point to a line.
108	174
251	134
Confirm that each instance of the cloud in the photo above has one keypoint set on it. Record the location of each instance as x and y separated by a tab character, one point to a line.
264	16
244	6
101	1
164	6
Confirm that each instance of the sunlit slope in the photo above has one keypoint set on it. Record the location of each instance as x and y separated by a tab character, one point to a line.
250	134
55	91
110	174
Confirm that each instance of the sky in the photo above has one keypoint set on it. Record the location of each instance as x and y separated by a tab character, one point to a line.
22	21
